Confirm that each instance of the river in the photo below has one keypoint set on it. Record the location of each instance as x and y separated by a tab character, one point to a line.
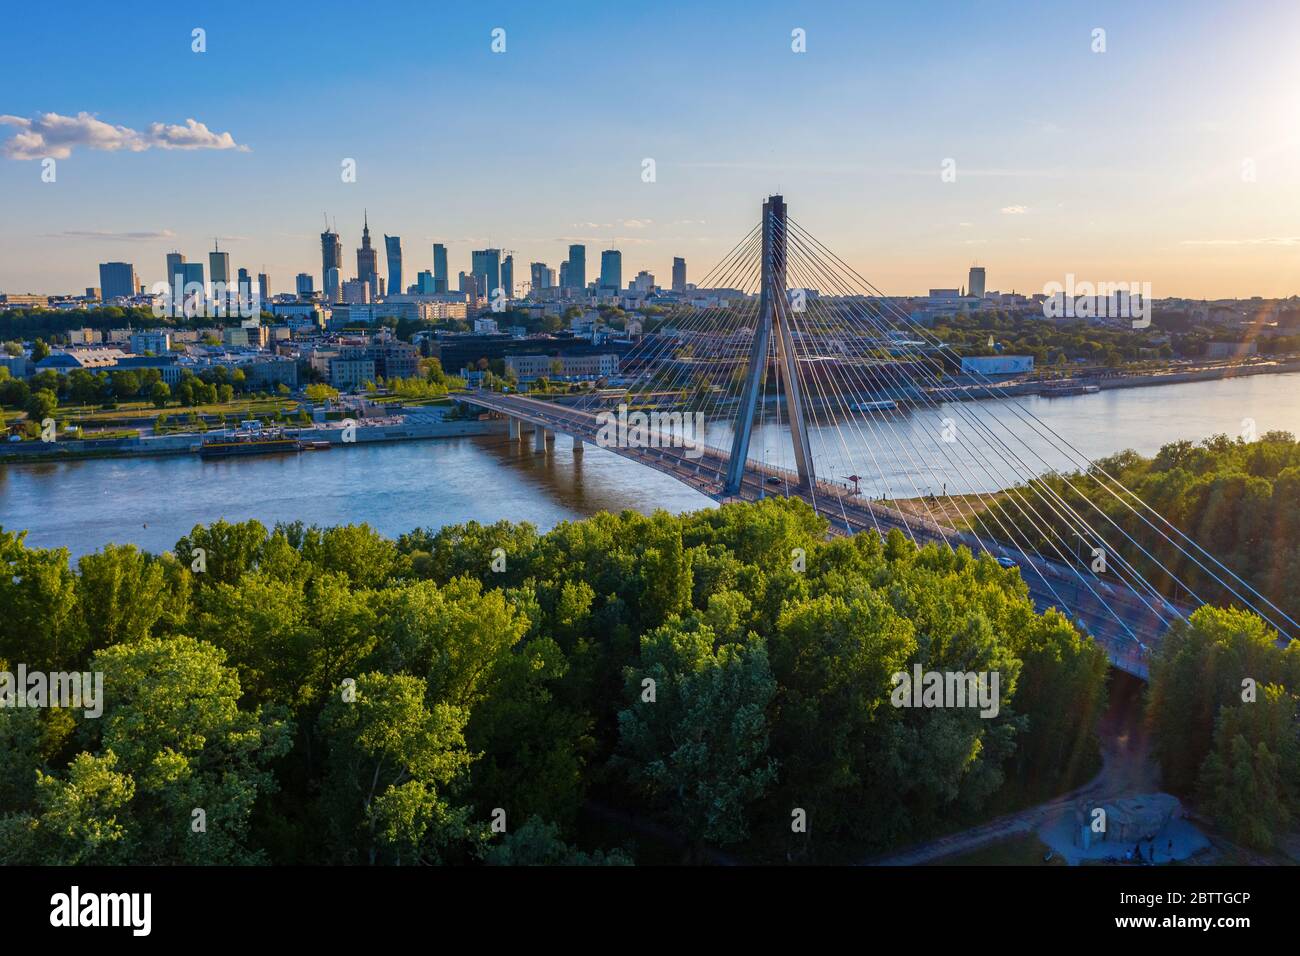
394	487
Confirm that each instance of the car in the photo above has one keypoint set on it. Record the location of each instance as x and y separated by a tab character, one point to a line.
1007	562
773	480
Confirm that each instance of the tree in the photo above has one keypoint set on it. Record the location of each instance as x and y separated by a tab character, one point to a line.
700	749
538	843
41	405
171	717
159	393
121	595
125	384
319	393
1250	781
392	760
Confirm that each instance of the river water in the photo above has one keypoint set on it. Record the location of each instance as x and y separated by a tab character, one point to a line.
395	487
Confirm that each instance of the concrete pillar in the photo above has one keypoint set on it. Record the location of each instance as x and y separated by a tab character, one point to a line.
550	437
539	438
513	429
577	447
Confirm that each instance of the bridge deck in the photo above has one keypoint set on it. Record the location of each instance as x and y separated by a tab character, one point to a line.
1121	620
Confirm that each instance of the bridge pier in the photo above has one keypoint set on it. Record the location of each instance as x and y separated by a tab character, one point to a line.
578	444
539	438
512	428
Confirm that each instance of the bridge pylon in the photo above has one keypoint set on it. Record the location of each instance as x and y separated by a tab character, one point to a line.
773	320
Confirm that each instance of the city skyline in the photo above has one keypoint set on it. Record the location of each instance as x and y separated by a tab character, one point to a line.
1127	164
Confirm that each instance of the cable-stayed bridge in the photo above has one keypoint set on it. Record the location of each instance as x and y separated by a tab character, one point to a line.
800	352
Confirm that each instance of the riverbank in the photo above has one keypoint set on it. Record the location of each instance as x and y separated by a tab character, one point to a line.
1053	388
412	427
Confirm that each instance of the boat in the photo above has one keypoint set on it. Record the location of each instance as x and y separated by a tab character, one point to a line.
249	439
880	405
1067	388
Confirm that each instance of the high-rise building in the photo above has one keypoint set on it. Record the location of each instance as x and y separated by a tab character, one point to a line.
193	272
302	285
611	270
644	283
469	285
356	292
425	284
393	247
577	272
564	274
508	276
218	265
439	267
975	287
486	268
679	274
331	254
264	287
368	260
176	277
539	276
117	280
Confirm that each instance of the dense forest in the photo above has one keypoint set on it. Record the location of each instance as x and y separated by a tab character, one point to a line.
1222	702
620	689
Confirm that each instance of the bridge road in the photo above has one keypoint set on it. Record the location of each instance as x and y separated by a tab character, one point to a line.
1127	641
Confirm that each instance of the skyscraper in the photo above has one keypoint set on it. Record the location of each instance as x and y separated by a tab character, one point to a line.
176	279
679	274
486	267
439	267
218	265
331	253
117	279
539	276
508	276
611	270
368	261
393	246
193	272
564	275
264	287
302	285
976	285
577	271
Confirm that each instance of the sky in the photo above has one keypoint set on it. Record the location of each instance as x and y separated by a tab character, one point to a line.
1173	157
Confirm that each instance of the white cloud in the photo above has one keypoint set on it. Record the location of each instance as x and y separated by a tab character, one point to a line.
1014	210
113	236
55	136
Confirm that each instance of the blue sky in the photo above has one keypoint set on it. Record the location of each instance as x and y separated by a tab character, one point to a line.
1116	166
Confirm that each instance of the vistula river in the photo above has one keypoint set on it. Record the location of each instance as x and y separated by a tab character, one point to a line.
394	487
